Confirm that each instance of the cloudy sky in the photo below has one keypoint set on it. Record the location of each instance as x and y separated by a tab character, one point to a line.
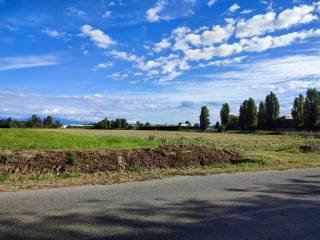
155	60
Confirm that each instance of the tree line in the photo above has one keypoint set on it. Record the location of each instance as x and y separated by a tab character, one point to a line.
305	113
33	122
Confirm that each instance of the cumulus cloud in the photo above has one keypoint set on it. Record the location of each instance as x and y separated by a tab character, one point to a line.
101	39
234	8
21	62
163	44
152	14
270	22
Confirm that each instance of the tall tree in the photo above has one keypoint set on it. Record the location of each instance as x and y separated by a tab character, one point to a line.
297	111
262	115
204	118
312	109
248	115
48	122
272	110
225	114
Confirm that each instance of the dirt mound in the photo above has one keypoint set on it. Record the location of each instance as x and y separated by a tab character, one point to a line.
27	162
310	148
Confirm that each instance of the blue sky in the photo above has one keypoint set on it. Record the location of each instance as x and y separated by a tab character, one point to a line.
155	60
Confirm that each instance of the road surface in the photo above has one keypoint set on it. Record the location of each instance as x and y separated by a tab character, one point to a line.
261	205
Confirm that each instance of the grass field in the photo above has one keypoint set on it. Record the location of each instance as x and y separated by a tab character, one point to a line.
268	152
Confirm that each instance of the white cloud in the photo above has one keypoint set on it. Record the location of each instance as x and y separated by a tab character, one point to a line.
270	22
73	11
119	76
286	75
106	14
234	8
296	15
246	11
152	14
211	2
55	34
104	65
163	44
21	62
100	38
217	34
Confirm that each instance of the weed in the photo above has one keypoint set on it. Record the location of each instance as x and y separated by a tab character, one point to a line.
136	169
38	177
5	158
67	175
4	177
72	160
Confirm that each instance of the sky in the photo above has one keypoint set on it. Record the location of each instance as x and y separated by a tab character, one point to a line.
154	60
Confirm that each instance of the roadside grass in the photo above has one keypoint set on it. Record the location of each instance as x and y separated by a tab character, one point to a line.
262	152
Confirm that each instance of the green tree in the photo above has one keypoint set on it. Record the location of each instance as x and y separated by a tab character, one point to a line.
48	122
34	122
297	111
225	114
262	115
272	110
312	109
233	122
204	118
248	115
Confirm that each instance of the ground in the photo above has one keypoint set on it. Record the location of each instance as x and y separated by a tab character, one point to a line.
277	205
265	151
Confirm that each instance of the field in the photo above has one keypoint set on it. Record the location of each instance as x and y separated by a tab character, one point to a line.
261	150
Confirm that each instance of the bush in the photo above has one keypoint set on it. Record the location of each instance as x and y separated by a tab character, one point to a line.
4	177
222	128
72	160
5	158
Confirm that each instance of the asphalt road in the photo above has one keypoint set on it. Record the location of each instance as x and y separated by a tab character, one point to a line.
262	205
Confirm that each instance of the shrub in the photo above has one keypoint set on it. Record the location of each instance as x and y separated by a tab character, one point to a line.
5	158
4	177
72	160
136	169
222	128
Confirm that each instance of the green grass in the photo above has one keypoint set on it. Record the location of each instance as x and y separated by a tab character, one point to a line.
15	139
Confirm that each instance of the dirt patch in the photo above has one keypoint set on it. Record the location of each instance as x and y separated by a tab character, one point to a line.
310	148
37	162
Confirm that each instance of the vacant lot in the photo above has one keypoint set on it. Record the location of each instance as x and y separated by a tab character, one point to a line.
259	152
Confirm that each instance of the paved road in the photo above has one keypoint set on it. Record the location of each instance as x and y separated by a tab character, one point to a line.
262	205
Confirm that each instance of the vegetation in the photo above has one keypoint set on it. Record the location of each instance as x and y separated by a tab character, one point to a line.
225	114
248	115
204	118
297	111
272	110
34	122
40	139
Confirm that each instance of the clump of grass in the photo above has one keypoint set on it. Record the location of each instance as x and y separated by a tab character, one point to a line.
67	175
5	158
39	157
136	169
72	160
38	177
4	177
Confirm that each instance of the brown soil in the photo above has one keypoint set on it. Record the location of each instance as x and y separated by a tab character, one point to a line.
37	162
